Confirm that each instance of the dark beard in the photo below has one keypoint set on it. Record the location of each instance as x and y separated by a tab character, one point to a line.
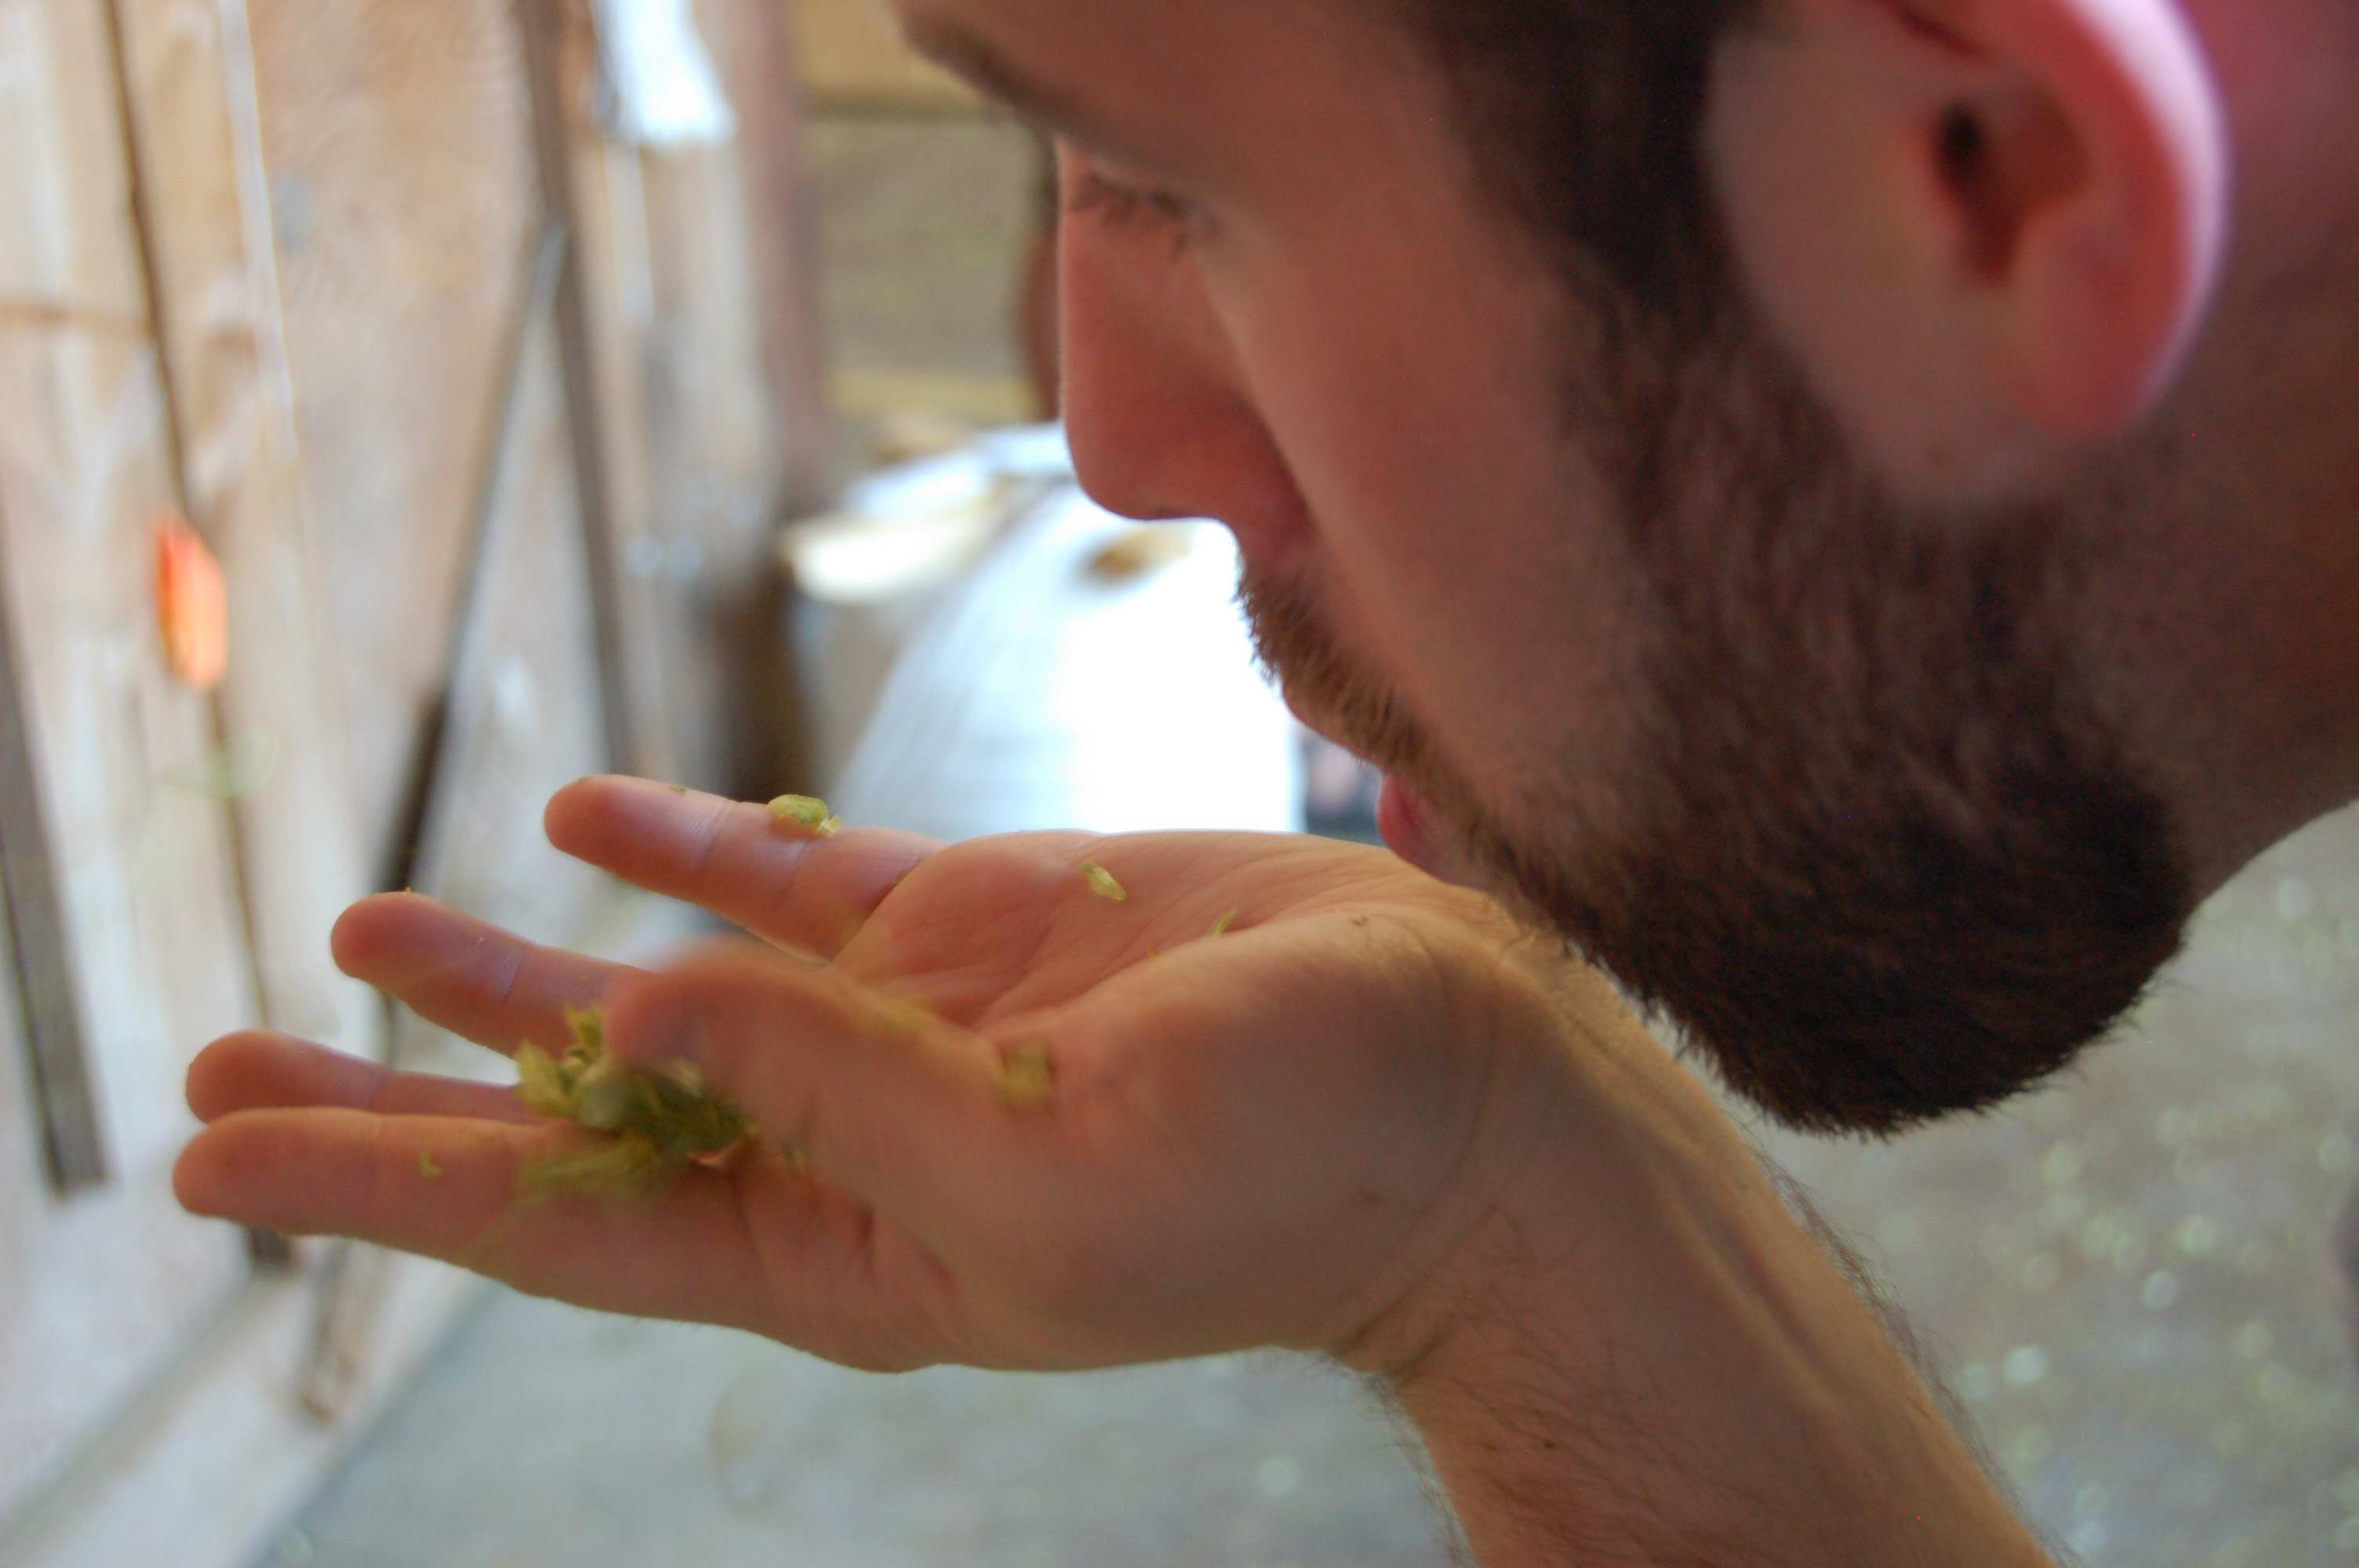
1869	843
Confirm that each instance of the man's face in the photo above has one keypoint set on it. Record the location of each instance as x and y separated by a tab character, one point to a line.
1639	645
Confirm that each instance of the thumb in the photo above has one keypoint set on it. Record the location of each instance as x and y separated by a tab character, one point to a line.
897	1108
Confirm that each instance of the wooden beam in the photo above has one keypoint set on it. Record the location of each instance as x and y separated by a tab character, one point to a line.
701	360
422	814
136	845
354	1279
103	1288
760	66
202	200
522	721
555	54
41	945
767	717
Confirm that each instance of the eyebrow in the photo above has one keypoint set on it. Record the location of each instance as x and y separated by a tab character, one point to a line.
967	54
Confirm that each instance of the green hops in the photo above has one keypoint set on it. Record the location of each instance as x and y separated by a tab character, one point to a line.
803	811
1027	1080
660	1120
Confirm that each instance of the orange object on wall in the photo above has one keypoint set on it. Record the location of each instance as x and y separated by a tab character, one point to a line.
191	605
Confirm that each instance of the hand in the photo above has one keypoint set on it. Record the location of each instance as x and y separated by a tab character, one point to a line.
1371	1119
1278	1135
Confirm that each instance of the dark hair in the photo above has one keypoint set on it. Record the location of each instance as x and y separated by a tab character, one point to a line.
1584	118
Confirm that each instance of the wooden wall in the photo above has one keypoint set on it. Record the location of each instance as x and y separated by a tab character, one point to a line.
408	202
399	143
140	924
854	58
489	419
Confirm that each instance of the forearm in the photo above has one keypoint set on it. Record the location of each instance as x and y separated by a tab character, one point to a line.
1596	1456
1683	1377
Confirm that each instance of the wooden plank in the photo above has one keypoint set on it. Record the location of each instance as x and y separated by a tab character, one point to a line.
202	197
715	474
102	1292
703	379
104	1287
147	878
26	1201
544	269
798	460
356	1279
524	721
779	191
397	134
40	993
559	59
525	717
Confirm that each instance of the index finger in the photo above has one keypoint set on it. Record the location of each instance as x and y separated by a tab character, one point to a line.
781	882
473	978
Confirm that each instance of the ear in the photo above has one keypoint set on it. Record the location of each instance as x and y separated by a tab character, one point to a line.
1981	227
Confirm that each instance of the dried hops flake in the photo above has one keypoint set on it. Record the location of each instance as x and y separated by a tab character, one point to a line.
805	811
1027	1080
658	1121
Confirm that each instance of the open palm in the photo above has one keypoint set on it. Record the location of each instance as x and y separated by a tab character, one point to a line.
1286	1072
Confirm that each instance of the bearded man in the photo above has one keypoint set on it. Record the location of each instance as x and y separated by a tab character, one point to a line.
1845	511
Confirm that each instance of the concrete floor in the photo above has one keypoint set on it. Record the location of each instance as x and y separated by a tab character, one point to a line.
546	1436
2127	1276
2130	1274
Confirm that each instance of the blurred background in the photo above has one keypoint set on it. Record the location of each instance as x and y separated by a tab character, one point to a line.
409	405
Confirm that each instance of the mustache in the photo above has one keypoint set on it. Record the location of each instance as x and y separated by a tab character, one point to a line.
1298	652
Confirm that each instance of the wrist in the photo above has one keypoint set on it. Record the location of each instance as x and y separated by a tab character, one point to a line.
1638	1355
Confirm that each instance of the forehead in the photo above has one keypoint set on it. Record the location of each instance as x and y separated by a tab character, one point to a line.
1256	69
1104	32
1092	23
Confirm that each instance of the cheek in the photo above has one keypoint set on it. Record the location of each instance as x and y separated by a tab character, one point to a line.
1360	413
1455	551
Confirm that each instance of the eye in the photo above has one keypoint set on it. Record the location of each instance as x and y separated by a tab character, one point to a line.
1128	208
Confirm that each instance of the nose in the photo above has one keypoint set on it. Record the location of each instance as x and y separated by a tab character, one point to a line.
1160	416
